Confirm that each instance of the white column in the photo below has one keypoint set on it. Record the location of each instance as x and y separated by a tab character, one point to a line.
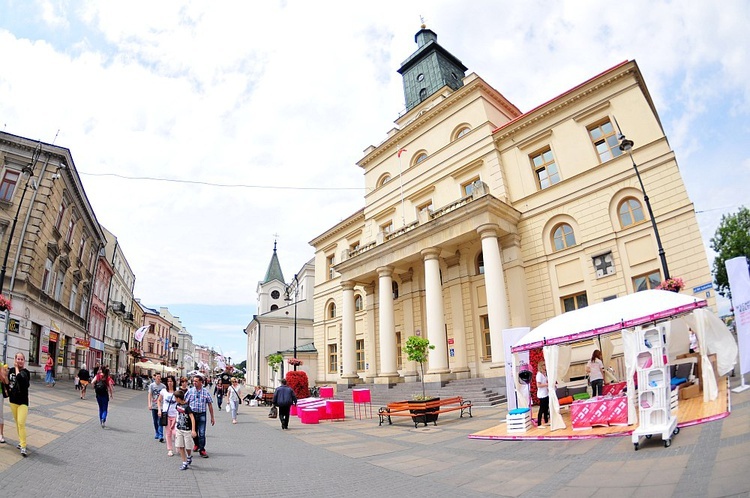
348	333
494	279
438	357
386	323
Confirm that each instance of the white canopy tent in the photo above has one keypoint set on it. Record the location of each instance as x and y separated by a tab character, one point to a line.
627	313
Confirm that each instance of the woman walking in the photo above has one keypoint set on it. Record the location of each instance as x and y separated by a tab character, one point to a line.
104	392
234	394
49	367
168	404
84	378
18	387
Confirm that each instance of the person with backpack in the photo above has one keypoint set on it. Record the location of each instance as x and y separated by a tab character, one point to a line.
84	378
154	389
103	389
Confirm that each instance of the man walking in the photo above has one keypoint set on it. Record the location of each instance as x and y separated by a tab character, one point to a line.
153	391
199	399
284	398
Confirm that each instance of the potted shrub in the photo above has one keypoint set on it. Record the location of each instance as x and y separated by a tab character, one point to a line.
417	349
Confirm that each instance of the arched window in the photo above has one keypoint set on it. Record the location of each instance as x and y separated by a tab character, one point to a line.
418	157
274	307
394	288
480	264
332	310
563	237
460	132
357	303
630	212
384	179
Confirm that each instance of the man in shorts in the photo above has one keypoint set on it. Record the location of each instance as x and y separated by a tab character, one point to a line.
185	429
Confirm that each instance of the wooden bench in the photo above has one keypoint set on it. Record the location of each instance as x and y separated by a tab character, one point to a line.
266	401
423	410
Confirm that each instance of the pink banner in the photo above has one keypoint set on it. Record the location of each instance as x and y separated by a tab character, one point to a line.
599	411
739	281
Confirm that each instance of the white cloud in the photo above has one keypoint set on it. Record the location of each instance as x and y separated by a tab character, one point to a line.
291	93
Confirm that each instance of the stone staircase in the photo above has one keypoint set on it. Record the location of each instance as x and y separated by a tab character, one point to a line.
481	392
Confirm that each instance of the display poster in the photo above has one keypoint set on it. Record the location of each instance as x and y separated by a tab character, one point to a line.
739	282
509	338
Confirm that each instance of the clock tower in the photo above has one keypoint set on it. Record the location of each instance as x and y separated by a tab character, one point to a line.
429	69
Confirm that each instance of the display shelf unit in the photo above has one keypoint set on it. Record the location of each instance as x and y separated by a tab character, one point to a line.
655	414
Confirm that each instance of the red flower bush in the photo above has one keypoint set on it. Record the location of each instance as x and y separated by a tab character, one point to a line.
4	303
297	380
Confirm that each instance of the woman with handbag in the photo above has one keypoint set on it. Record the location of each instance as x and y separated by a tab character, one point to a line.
234	394
49	376
168	412
595	371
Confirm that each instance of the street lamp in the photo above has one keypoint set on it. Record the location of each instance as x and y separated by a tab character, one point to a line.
627	146
26	171
287	298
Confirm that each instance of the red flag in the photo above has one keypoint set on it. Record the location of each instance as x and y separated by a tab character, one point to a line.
400	151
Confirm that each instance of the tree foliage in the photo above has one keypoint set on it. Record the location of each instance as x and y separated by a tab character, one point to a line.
274	360
732	239
417	349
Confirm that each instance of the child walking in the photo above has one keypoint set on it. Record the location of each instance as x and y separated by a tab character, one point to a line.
185	429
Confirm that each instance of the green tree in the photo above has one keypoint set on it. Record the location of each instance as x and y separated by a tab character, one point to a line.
417	349
274	360
732	239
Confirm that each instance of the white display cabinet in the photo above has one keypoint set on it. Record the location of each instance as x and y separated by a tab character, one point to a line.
655	415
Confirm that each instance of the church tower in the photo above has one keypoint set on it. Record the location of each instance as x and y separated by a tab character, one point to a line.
429	69
271	288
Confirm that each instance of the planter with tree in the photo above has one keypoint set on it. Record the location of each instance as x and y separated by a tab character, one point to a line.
417	349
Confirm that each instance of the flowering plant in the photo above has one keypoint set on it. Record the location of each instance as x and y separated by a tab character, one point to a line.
5	303
294	361
672	284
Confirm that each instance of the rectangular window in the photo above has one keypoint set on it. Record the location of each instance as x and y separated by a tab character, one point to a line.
605	141
71	226
646	281
59	285
486	342
46	279
8	185
60	214
360	355
574	302
330	262
425	206
467	188
84	305
81	248
387	227
353	248
73	297
399	359
545	168
36	332
333	358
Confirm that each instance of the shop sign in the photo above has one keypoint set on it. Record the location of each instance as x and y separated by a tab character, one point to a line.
53	336
82	343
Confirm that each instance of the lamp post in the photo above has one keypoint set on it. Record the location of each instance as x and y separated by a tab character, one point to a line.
26	172
627	146
287	298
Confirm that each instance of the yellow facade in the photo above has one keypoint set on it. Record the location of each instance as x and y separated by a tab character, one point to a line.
467	172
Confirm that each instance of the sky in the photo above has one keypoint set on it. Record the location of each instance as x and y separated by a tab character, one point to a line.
205	131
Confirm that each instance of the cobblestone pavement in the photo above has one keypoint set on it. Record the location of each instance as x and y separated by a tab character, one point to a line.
69	454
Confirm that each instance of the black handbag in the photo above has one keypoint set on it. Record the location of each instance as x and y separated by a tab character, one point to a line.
273	413
164	419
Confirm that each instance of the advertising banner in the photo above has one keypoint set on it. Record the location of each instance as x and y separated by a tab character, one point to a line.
739	282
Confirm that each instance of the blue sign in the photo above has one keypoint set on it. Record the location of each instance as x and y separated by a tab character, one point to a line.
703	287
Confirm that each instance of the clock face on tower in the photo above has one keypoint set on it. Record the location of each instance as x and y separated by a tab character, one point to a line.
275	294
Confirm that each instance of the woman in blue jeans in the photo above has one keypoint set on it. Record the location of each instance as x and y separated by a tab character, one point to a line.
104	393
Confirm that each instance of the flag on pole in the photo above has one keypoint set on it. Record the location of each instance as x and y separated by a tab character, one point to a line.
221	362
140	333
400	151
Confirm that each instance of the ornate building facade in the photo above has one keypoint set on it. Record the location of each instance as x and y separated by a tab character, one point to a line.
479	218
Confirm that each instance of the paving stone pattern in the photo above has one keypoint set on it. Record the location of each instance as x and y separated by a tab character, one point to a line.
70	455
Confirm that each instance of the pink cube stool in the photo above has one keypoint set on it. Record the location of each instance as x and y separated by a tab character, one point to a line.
322	414
309	416
335	409
293	410
326	392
